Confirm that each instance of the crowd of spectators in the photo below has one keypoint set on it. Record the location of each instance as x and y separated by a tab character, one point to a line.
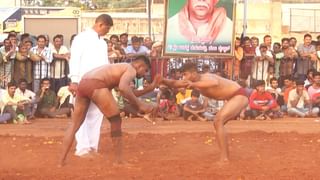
282	78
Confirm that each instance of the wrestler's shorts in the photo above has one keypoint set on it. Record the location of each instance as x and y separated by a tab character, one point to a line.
87	86
241	91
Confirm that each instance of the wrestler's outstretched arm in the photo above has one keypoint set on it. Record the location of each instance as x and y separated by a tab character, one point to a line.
154	84
175	83
203	83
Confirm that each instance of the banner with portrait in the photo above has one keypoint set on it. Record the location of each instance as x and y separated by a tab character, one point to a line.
199	28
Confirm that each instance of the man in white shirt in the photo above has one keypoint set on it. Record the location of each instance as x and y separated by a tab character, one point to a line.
59	63
41	67
27	94
89	51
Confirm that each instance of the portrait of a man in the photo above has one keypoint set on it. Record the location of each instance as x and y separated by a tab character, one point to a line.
199	22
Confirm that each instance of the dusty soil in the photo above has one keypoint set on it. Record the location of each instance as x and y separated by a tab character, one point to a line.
281	149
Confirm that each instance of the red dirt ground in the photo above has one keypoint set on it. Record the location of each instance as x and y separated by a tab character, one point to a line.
278	149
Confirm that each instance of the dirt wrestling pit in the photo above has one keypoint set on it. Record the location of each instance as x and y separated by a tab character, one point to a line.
277	149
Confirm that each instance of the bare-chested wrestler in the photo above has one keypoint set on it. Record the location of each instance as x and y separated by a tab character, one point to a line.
96	85
215	87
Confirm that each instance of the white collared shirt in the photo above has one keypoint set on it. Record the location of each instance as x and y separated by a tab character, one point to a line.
88	51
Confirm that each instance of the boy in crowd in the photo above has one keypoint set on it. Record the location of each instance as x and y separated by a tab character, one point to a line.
181	98
299	103
262	104
193	109
275	91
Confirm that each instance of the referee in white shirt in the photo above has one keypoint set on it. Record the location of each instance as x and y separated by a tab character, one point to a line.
89	51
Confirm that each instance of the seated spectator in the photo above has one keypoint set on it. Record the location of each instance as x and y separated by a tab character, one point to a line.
47	102
299	103
4	117
193	109
113	54
314	90
150	96
28	94
262	104
181	98
275	91
120	101
15	105
289	84
211	107
65	96
309	81
165	103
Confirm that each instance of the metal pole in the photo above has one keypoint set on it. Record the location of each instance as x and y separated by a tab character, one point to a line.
149	17
245	10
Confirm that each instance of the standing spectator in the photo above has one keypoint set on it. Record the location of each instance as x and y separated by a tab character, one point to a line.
232	66
41	67
307	53
246	63
238	57
293	42
148	43
47	102
318	56
262	104
254	42
287	61
89	51
136	48
299	103
59	65
113	54
261	64
8	53
158	64
114	39
27	94
277	56
124	40
23	65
